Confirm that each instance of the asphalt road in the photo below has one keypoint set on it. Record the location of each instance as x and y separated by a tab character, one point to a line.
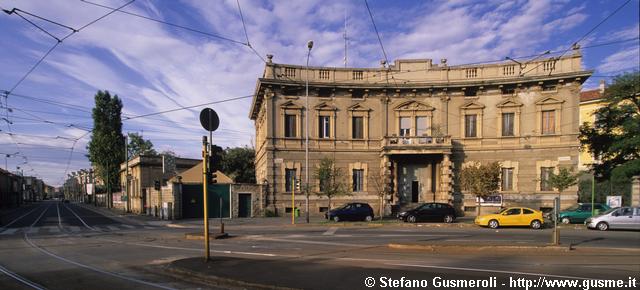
52	245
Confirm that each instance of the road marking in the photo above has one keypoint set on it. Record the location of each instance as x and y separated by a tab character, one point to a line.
330	232
113	228
7	225
309	242
93	268
54	230
85	224
74	229
198	250
128	226
32	230
59	219
9	231
21	279
490	271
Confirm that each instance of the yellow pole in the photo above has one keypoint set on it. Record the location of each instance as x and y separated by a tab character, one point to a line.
293	202
204	190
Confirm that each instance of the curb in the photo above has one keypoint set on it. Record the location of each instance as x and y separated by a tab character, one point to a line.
375	225
211	236
180	273
434	248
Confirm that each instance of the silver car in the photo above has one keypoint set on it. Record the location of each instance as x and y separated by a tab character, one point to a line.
616	218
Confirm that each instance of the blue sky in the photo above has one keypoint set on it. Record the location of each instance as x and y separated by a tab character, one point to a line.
155	67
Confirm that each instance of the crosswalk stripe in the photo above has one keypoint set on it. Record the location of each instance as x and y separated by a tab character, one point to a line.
9	231
54	230
74	228
33	230
113	228
128	226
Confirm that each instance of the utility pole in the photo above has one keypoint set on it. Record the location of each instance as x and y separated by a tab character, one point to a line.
109	202
126	155
306	133
205	170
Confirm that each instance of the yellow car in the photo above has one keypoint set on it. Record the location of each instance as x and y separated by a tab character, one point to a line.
512	216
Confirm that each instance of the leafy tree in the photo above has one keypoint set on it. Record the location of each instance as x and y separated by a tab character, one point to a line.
482	180
563	180
238	163
331	180
106	147
615	135
381	189
139	146
614	186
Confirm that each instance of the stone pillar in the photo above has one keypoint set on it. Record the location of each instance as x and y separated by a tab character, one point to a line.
635	190
444	194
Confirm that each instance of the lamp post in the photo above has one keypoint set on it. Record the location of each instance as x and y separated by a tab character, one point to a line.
306	132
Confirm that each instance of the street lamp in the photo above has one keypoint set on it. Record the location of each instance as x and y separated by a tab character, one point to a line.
306	132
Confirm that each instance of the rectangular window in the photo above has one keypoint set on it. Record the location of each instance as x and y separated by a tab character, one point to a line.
548	122
421	126
357	130
507	179
405	126
357	94
507	124
358	180
290	126
470	125
325	92
324	127
289	179
545	174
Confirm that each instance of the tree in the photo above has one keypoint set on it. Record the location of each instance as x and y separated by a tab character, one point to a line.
614	138
139	146
382	189
563	180
106	147
238	163
331	180
482	180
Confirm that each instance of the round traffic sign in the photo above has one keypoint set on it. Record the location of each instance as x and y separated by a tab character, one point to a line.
209	119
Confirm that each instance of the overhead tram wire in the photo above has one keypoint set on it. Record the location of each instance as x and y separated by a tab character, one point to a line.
585	35
244	27
185	108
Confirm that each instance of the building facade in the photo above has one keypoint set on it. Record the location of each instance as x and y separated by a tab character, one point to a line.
590	102
410	127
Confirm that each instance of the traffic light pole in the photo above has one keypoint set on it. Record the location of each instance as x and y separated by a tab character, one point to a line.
205	159
293	202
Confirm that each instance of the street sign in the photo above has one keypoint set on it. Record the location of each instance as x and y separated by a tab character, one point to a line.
209	119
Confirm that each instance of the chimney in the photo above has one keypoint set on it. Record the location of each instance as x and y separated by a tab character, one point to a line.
601	86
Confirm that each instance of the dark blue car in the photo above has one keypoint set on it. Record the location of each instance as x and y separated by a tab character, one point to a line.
354	211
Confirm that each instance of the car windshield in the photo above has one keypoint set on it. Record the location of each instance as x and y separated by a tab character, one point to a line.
610	210
573	207
343	206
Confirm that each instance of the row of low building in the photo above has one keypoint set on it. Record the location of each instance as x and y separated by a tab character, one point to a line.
16	189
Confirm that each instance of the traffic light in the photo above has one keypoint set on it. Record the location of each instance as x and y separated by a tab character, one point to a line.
214	177
298	185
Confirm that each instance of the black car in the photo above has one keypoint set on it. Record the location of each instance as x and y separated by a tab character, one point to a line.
354	211
432	211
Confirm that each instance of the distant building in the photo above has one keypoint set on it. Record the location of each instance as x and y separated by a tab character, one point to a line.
410	127
590	101
144	172
10	193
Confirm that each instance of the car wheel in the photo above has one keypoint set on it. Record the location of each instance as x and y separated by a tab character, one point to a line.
411	219
565	220
448	218
368	218
602	226
494	224
536	224
336	219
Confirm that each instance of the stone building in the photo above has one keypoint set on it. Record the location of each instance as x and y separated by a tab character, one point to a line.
411	126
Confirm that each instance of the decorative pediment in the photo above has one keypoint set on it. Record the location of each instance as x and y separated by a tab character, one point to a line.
414	106
509	103
548	101
358	107
291	105
325	107
472	105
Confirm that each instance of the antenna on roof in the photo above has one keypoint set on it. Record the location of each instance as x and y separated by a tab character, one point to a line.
344	35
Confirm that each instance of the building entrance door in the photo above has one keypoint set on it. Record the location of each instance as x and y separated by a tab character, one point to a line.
415	190
244	205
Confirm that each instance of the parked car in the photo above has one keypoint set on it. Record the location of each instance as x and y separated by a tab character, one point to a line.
354	211
616	218
512	216
580	212
432	211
